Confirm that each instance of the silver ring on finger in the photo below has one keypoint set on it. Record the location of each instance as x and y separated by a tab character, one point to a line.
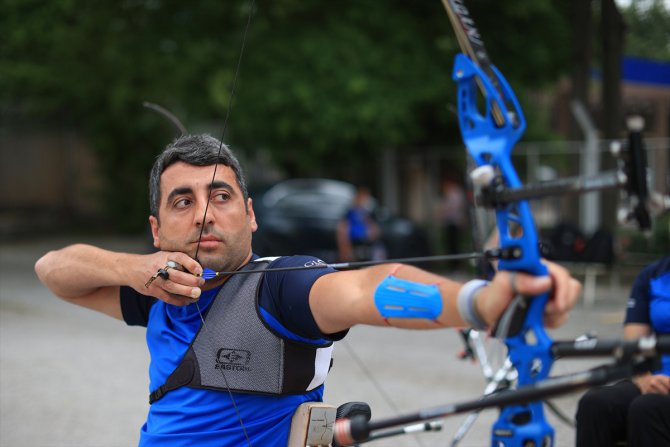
174	265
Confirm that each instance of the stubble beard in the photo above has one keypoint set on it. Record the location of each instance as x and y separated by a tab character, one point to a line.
225	258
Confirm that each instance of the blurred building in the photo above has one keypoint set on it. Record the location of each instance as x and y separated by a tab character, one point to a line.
645	91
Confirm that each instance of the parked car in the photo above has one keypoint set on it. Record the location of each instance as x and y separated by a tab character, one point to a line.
300	216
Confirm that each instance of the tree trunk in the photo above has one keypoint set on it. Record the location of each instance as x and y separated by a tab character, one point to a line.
613	28
582	53
582	59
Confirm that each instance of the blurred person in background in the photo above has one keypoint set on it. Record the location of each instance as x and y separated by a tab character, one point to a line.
451	214
358	233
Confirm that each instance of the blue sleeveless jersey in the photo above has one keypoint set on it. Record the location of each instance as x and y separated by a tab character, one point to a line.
195	417
649	302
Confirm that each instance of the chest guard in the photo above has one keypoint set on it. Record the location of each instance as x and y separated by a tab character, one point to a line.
236	350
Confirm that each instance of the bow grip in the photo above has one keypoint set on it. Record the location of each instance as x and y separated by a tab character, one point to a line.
511	321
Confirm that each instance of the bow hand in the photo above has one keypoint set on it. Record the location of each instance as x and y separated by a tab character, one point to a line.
506	299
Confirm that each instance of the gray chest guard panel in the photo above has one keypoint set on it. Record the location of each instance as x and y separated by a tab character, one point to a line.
235	350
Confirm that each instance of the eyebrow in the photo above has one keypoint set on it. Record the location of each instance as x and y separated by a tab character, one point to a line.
188	190
219	184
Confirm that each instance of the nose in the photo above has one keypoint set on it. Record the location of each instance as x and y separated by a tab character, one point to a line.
203	213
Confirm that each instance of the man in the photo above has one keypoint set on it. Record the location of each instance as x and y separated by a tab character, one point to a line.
262	341
451	214
636	412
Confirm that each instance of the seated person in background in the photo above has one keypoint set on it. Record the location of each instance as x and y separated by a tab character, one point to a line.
635	411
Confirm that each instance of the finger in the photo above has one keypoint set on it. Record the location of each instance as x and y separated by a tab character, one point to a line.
559	293
566	290
512	283
174	266
565	297
523	283
515	283
186	291
662	384
186	279
656	387
189	264
556	320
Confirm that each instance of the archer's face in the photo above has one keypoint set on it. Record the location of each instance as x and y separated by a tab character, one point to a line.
226	237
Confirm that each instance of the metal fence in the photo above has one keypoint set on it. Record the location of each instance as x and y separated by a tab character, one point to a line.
411	181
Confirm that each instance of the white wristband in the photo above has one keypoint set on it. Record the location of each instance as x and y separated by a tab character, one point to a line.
466	303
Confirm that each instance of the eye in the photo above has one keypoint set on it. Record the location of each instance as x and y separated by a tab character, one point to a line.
182	203
221	196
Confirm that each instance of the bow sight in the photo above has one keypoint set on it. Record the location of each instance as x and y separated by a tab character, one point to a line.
631	176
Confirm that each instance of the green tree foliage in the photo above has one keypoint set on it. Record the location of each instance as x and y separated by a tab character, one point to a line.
321	84
332	83
648	30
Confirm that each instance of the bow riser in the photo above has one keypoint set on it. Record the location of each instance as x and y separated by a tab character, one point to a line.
491	143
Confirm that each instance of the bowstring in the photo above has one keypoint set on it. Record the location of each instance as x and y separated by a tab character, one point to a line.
252	6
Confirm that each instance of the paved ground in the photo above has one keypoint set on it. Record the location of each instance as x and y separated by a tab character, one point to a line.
71	377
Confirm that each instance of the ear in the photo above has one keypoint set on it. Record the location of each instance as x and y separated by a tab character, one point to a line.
252	216
153	221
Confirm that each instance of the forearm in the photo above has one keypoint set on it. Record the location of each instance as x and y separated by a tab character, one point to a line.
79	270
344	299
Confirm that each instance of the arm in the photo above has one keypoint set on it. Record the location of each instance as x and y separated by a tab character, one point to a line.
374	232
633	331
90	276
343	299
648	383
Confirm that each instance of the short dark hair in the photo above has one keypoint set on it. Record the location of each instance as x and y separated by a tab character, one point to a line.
196	150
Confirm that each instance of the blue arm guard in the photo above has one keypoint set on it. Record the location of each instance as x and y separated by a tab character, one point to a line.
399	298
